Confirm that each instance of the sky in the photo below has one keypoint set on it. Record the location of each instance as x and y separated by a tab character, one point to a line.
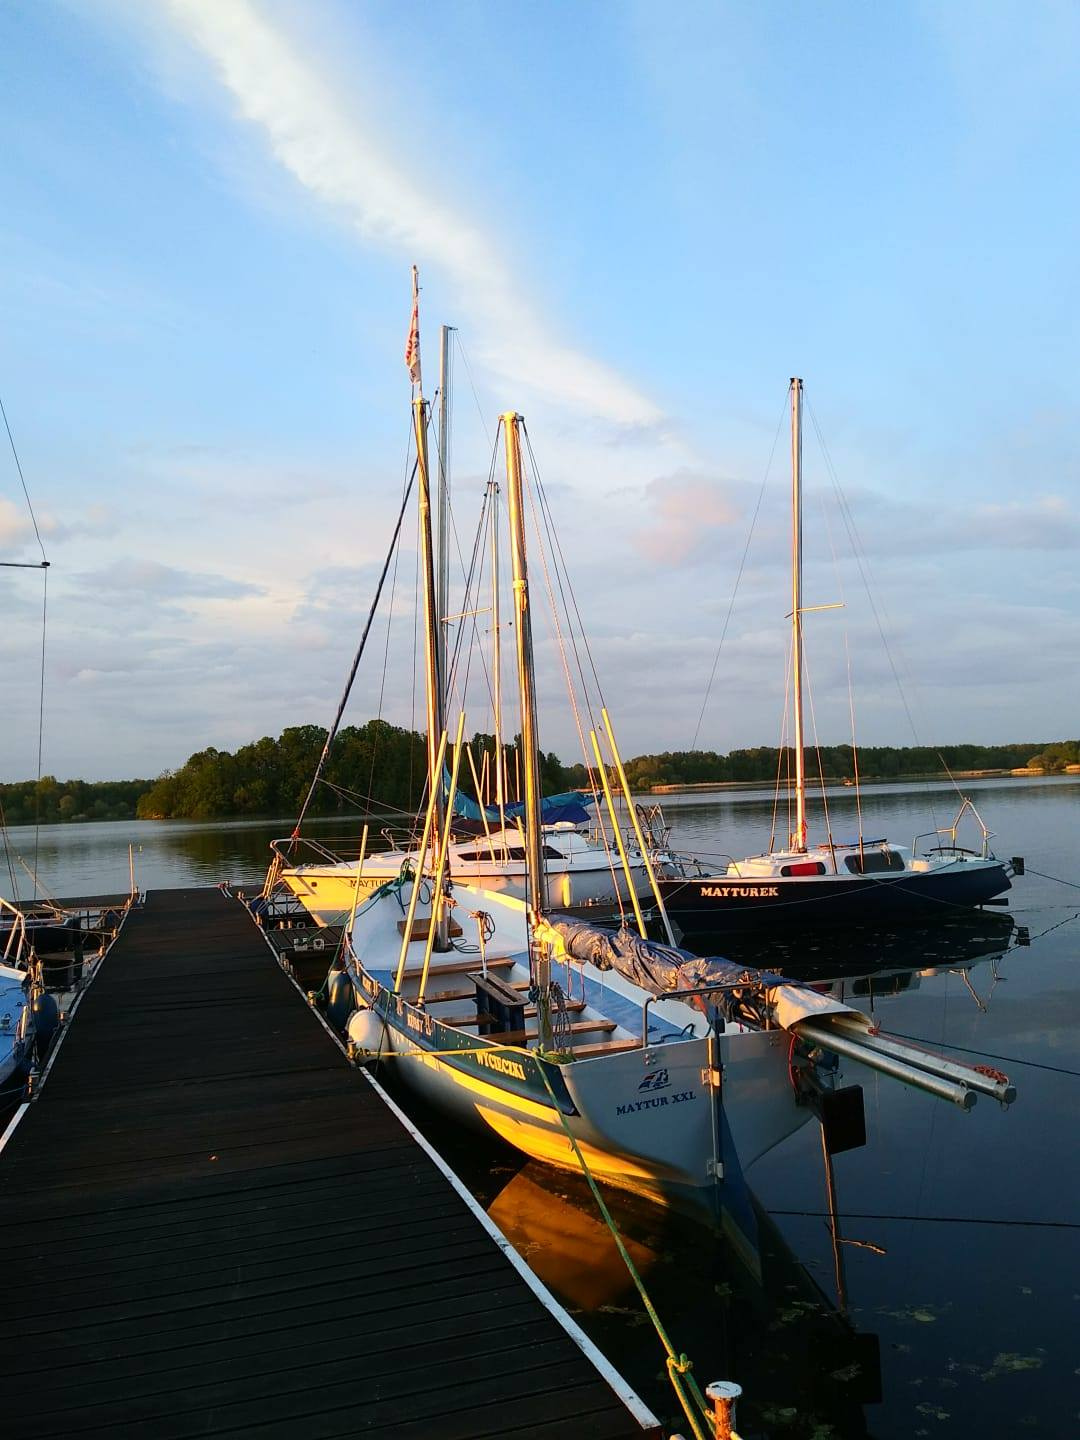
642	219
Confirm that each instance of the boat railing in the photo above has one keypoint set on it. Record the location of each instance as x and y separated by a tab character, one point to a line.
721	987
950	831
16	946
298	850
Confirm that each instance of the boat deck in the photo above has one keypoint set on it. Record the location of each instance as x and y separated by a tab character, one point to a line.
214	1225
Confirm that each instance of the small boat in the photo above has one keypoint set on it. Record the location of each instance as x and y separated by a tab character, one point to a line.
16	1031
859	881
663	1073
580	872
18	1034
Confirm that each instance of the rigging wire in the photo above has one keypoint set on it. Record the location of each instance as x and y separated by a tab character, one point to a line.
858	552
389	625
356	659
44	567
739	575
534	490
22	481
41	726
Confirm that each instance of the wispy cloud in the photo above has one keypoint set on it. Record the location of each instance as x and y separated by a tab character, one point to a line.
314	135
164	582
687	511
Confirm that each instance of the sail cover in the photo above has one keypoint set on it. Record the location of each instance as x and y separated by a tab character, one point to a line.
567	808
663	968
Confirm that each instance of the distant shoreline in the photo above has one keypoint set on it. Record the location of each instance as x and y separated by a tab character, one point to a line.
1021	772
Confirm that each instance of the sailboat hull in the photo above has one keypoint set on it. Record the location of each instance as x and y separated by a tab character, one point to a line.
711	904
327	892
643	1120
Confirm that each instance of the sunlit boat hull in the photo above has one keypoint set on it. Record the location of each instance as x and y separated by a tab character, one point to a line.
328	892
644	1117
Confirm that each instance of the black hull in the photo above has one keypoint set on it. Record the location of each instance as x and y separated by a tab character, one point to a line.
713	904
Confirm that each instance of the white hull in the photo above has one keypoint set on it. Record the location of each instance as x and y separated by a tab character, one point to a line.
327	892
645	1118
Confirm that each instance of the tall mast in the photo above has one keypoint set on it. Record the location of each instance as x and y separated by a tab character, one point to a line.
436	700
530	750
798	838
442	541
496	657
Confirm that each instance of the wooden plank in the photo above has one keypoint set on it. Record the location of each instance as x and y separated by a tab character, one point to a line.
605	1047
207	1201
421	928
518	1037
456	967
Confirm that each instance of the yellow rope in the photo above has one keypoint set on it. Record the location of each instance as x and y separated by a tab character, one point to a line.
679	1366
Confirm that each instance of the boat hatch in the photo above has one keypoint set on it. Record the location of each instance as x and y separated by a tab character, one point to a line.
874	862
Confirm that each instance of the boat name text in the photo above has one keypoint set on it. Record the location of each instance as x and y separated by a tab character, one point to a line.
655	1102
745	892
501	1064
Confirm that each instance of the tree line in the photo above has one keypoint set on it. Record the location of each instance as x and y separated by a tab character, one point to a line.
48	800
385	766
837	762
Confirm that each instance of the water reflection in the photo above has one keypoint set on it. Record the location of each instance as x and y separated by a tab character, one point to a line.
802	1365
866	954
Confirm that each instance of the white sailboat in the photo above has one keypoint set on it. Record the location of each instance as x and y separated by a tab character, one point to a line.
665	1074
581	870
862	881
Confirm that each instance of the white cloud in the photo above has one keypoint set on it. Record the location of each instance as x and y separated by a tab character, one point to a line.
688	511
13	523
313	134
150	578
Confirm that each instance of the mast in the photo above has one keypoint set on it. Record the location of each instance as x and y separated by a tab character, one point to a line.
496	657
442	542
798	837
534	850
436	700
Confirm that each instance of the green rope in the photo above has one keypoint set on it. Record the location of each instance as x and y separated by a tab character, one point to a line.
679	1366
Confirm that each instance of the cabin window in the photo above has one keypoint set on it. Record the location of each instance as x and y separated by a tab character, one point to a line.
874	862
803	867
500	856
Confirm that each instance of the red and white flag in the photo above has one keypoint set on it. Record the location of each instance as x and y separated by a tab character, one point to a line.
412	344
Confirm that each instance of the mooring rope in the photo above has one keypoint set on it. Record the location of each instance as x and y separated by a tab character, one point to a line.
679	1366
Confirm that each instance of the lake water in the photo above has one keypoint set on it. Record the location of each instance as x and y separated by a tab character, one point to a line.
963	1285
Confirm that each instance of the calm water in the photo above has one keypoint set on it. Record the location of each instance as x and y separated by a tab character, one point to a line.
970	1295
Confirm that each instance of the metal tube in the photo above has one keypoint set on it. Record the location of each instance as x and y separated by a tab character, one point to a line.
436	705
935	1064
530	745
669	932
442	537
359	872
437	903
958	1094
798	839
429	821
618	835
480	800
496	660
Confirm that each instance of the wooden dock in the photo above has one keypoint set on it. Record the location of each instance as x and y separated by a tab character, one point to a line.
214	1225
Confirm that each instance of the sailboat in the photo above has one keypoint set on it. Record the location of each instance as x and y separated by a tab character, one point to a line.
664	1074
861	881
487	848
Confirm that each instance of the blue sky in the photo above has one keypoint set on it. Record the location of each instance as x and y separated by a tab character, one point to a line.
642	219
